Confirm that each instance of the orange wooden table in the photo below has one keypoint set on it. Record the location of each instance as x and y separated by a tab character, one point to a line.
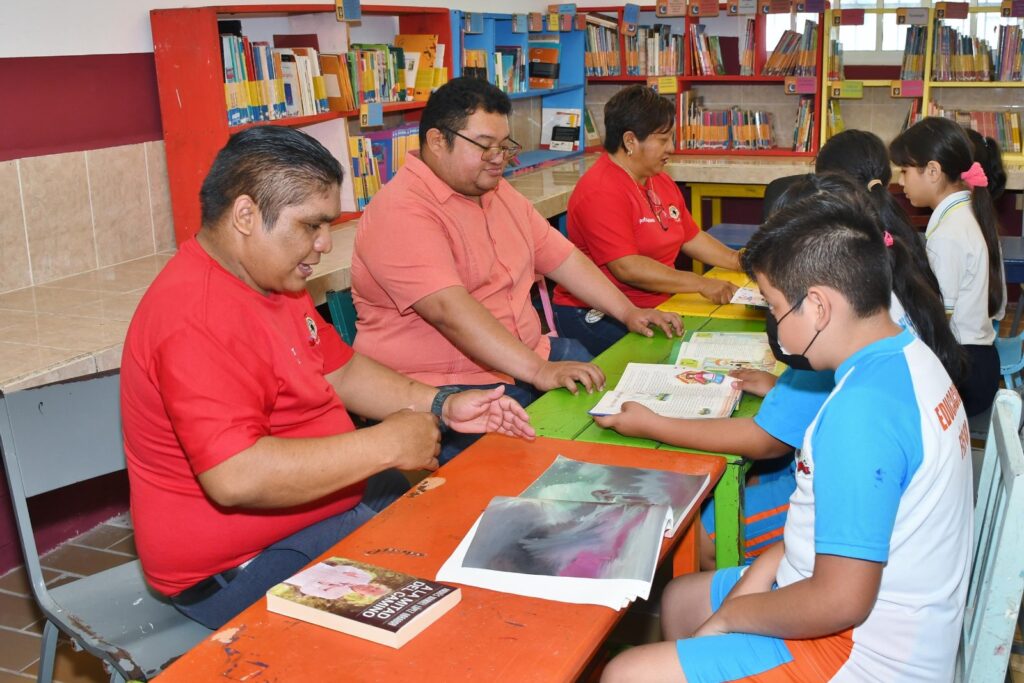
489	636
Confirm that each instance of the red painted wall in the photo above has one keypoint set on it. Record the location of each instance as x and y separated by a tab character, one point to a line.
69	104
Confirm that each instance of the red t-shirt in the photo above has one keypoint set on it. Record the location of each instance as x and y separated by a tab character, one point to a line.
209	367
610	216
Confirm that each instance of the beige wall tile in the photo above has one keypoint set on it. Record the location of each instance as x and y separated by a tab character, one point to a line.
120	203
14	269
58	216
160	196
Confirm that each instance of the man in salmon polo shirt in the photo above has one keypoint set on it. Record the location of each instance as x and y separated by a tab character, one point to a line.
446	254
243	462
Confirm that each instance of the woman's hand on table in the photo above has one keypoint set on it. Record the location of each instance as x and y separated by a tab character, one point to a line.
565	373
717	291
756	382
640	320
633	420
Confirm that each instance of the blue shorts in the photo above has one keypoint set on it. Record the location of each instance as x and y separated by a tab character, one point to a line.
765	506
760	659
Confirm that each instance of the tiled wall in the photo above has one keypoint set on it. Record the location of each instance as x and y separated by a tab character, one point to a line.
65	214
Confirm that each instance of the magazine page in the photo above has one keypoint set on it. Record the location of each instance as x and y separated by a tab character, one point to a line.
672	392
584	553
749	295
573	480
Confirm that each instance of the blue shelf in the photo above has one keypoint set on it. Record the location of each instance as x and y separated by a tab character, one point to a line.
537	157
542	93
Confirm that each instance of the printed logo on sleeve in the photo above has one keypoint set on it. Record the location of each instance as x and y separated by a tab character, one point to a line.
314	333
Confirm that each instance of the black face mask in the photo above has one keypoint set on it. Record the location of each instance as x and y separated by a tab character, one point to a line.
797	361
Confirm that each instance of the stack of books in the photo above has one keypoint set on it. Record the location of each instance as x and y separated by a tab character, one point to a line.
706	52
602	46
1006	62
836	68
510	68
834	118
582	533
704	128
377	156
960	57
654	51
1002	126
803	129
747	49
544	54
913	54
795	54
474	64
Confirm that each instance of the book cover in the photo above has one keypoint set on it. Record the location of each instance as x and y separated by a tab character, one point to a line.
363	600
726	351
672	391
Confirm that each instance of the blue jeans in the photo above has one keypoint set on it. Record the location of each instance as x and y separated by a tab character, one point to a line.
286	557
562	349
596	336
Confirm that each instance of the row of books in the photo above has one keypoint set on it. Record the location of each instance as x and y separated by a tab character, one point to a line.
1006	62
836	68
377	156
601	57
959	56
834	118
720	55
1002	126
794	55
912	68
264	82
654	51
706	128
803	129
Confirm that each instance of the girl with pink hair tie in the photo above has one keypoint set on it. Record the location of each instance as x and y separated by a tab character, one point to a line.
939	169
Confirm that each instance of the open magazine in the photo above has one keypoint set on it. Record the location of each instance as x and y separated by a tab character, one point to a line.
672	391
581	533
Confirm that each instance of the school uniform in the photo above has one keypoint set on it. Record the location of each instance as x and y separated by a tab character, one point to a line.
959	258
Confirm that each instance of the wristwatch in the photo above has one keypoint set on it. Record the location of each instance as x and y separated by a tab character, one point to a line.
437	405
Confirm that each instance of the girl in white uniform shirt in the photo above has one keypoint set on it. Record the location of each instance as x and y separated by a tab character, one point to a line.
939	170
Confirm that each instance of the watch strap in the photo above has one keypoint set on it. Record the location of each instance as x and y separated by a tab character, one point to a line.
437	405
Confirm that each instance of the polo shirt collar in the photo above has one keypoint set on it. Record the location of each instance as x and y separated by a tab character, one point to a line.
441	190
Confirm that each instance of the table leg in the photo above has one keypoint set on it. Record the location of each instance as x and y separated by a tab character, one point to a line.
716	210
686	559
697	213
729	516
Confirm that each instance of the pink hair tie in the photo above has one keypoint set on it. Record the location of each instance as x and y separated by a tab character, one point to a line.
975	176
887	238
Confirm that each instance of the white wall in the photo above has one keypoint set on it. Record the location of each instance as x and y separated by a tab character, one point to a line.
39	28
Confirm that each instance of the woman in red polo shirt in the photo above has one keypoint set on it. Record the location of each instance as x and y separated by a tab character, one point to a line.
629	217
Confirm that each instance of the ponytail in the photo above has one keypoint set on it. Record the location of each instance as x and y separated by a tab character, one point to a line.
986	153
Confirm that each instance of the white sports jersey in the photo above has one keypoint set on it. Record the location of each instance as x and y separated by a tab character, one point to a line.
885	475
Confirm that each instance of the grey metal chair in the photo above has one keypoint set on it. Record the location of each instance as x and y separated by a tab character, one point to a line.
61	434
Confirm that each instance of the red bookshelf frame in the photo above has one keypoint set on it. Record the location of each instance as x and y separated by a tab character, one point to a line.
186	48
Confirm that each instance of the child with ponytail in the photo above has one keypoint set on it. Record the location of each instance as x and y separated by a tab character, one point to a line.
938	169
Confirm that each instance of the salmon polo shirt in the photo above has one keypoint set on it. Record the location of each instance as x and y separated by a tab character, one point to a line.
419	236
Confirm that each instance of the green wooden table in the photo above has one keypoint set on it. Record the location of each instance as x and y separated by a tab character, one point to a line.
562	415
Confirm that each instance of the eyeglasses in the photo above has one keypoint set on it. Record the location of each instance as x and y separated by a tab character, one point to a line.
778	321
507	150
657	208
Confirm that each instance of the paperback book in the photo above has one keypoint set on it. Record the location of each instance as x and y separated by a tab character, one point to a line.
363	600
670	391
581	533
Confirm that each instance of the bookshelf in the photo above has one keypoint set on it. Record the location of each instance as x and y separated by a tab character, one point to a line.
187	52
483	33
885	105
727	77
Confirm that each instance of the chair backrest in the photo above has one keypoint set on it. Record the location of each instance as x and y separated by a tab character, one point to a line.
343	313
774	190
997	581
61	434
1011	358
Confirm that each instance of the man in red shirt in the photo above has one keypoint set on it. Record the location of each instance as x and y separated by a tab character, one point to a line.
243	461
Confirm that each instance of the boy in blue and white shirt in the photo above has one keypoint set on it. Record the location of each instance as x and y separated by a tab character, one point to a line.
870	580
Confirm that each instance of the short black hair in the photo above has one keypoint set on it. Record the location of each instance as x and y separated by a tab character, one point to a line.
639	109
455	101
276	166
823	240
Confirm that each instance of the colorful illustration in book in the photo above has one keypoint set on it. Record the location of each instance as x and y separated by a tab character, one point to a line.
700	377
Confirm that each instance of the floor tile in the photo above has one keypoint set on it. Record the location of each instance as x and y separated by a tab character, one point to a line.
122	520
74	667
16	580
81	560
17	649
103	536
126	545
18	611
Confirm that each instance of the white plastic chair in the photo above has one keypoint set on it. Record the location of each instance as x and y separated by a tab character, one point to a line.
62	434
997	573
